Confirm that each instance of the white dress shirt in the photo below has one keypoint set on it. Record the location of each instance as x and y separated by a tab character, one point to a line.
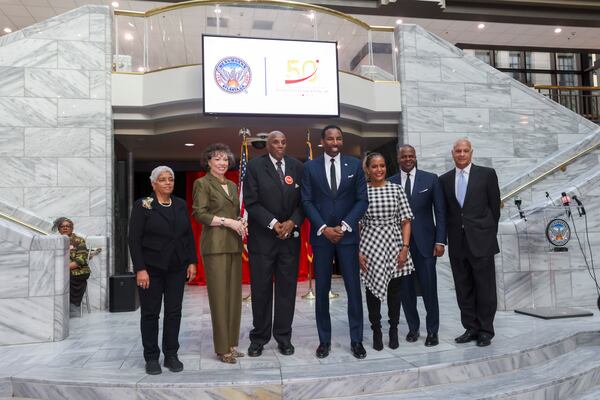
338	177
404	175
274	161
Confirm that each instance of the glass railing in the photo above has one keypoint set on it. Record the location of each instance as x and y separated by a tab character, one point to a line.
171	36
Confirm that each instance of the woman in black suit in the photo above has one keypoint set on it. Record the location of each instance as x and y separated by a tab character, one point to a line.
162	249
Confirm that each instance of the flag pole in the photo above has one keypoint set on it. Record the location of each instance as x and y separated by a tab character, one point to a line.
310	295
244	133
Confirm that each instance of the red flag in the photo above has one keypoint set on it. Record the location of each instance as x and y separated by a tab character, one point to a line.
306	251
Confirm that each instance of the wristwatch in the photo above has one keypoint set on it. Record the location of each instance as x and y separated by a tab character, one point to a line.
222	221
344	228
405	245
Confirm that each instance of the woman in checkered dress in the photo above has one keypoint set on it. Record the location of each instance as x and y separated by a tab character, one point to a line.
384	256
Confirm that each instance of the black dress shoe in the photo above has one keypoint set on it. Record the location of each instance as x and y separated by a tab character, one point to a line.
173	364
432	340
255	350
358	350
323	350
286	349
153	367
484	340
412	336
466	337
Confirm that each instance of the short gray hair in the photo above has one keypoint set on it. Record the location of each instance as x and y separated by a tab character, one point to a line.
159	170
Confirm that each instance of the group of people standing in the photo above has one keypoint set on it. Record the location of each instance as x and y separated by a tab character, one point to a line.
387	232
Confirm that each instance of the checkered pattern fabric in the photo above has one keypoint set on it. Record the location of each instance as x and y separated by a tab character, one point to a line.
381	237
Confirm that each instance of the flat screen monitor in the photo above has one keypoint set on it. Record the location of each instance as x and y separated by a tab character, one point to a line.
249	76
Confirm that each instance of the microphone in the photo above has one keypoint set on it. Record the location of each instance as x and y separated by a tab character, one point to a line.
518	203
566	202
580	208
549	199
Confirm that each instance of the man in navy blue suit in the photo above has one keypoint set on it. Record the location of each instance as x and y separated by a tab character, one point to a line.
334	196
427	241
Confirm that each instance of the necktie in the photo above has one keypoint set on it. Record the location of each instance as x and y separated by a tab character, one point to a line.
279	171
407	189
333	177
461	188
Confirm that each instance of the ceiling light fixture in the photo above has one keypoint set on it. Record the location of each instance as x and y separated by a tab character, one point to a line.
115	4
398	22
481	26
189	145
557	30
128	36
7	30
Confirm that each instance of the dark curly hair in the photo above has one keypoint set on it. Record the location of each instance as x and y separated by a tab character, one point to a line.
216	148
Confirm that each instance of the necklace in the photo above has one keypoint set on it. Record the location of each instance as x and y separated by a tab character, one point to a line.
167	204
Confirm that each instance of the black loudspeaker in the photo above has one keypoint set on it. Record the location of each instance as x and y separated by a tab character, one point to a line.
123	293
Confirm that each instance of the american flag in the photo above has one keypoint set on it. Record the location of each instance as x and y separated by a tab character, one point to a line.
243	167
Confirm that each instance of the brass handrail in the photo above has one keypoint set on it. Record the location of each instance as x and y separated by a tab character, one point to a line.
283	3
550	171
22	223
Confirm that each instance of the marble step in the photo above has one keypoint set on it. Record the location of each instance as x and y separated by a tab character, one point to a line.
562	378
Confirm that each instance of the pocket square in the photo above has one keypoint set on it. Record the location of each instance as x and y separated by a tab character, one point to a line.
296	186
424	190
350	176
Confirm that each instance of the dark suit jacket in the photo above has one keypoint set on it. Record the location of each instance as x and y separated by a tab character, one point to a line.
322	208
427	199
266	198
479	215
153	237
210	199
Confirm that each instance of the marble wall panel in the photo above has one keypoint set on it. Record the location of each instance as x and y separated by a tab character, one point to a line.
568	139
510	253
487	95
11	141
484	147
425	119
98	27
39	53
70	84
57	142
556	121
436	165
524	97
21	112
94	225
437	144
466	119
61	270
81	113
15	236
23	172
35	325
98	201
422	70
12	196
535	144
431	46
441	94
81	172
81	55
562	286
542	289
584	290
12	82
456	70
410	93
98	86
98	143
41	273
512	120
73	25
14	267
517	290
71	201
61	316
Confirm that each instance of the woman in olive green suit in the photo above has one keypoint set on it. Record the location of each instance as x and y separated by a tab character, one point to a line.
217	208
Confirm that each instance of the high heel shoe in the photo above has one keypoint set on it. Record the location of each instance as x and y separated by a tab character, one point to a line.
227	358
236	353
377	339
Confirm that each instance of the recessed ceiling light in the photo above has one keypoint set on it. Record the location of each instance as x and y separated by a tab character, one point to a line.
558	30
481	26
189	145
7	30
128	36
398	22
115	4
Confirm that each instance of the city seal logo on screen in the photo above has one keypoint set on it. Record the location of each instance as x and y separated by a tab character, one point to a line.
233	75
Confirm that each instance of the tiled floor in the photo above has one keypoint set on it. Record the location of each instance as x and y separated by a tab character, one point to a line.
106	347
